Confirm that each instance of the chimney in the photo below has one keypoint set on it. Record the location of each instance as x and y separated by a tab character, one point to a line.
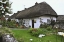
36	3
18	11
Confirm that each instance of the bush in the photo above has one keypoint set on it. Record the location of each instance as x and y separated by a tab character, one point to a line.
5	30
44	31
11	24
49	28
35	32
43	25
32	29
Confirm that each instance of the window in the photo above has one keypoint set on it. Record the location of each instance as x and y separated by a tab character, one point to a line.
48	21
41	20
34	21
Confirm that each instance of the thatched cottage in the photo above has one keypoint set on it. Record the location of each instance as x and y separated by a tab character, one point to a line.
38	14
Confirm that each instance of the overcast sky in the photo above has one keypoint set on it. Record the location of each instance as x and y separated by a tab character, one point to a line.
57	5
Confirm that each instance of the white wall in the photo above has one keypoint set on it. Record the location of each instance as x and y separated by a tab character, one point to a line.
15	19
28	22
44	19
37	24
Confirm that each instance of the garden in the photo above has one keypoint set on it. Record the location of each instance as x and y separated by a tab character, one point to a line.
32	35
28	36
43	34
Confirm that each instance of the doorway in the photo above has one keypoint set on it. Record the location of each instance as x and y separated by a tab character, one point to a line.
32	23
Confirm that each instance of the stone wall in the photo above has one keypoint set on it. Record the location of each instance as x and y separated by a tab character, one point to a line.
7	38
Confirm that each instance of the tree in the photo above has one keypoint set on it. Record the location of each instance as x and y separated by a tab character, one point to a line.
5	8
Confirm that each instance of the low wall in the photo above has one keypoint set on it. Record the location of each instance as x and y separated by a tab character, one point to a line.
7	38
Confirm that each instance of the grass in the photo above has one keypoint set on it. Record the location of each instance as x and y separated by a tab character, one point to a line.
26	37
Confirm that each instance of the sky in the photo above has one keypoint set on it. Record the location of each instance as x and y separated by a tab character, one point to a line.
19	5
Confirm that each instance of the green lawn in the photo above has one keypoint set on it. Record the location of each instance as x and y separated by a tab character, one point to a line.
26	37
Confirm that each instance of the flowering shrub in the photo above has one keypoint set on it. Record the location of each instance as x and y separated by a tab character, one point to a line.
35	32
5	30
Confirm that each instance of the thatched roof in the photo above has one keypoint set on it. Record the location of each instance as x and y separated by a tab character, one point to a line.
14	15
60	18
39	9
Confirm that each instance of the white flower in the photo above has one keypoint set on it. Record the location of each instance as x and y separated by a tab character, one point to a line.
63	34
2	11
60	33
2	7
8	36
41	35
4	2
56	27
31	39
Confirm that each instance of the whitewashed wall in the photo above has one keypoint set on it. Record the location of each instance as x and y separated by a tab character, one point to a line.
44	18
28	22
37	24
15	19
